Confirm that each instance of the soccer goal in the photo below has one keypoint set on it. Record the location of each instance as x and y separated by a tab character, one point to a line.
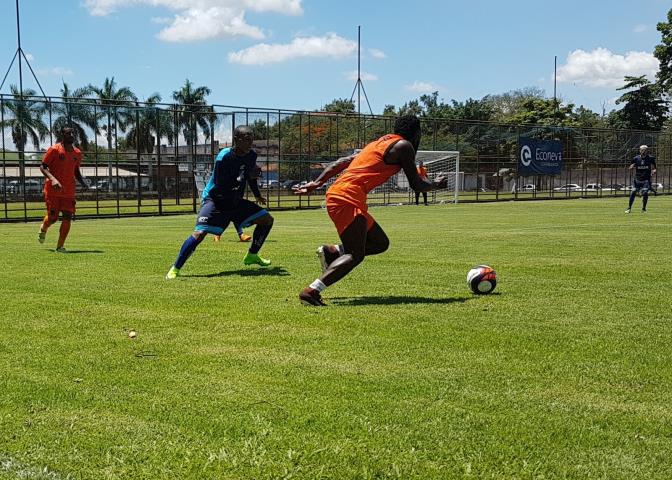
438	163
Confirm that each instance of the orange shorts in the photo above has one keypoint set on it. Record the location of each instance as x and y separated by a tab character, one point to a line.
343	213
60	204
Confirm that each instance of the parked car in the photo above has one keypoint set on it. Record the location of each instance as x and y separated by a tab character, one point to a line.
592	187
657	186
31	186
528	188
614	187
288	184
568	187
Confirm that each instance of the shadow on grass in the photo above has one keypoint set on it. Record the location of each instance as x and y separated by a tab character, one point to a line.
81	251
395	300
245	272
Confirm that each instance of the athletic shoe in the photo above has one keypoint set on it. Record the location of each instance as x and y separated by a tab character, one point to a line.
173	273
327	254
255	259
41	236
61	250
311	297
643	210
217	238
244	237
627	211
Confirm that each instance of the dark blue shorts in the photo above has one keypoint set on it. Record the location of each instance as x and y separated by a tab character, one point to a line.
214	220
641	186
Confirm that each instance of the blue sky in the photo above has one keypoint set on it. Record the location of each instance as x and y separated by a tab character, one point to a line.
301	54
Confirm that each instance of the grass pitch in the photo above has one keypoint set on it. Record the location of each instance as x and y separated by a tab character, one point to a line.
564	372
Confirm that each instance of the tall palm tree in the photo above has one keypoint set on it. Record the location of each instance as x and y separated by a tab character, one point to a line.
114	109
151	123
193	111
26	121
75	113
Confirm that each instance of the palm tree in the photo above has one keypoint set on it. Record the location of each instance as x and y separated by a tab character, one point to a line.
26	121
193	111
74	113
151	123
115	102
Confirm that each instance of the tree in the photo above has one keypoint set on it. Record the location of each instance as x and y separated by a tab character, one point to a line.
25	122
193	112
663	53
114	109
644	108
74	113
26	119
150	123
340	105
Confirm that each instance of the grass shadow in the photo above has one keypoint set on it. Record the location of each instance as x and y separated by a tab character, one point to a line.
81	251
245	272
395	300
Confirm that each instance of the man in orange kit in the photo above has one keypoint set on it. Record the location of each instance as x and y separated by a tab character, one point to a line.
346	199
61	167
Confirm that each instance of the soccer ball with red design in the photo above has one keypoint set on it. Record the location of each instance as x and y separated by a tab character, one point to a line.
482	279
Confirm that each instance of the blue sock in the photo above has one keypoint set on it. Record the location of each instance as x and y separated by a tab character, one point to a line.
645	200
259	237
238	229
632	198
187	249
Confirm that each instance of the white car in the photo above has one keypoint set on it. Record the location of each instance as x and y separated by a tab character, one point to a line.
568	187
528	188
593	187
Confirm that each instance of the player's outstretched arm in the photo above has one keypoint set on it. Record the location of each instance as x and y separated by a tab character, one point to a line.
403	153
331	170
80	178
254	185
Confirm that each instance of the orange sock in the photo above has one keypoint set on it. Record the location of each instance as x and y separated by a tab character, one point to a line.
63	232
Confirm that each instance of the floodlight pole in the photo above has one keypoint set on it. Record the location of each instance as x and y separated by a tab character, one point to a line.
359	85
19	53
555	83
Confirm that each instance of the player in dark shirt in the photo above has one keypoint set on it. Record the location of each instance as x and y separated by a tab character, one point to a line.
223	202
644	166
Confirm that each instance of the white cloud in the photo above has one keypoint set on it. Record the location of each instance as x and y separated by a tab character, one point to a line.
29	57
375	53
640	28
202	19
366	77
330	45
423	87
603	68
54	71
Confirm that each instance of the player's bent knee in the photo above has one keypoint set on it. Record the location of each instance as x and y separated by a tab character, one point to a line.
265	220
67	216
199	234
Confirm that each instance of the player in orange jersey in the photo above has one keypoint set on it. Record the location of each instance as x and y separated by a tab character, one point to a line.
61	167
422	172
346	201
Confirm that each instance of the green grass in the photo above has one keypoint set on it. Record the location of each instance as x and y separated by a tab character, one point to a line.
565	372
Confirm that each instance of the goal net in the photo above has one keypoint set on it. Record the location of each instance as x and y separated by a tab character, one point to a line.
438	163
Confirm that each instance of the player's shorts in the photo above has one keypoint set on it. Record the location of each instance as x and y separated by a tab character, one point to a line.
343	213
641	186
56	204
214	220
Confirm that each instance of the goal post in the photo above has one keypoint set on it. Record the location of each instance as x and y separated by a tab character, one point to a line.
438	163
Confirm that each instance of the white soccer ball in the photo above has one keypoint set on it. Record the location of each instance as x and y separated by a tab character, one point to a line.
482	279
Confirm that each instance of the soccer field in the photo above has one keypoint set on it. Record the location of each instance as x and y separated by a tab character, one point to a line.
563	372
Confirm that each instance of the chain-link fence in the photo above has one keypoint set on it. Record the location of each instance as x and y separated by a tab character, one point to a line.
147	159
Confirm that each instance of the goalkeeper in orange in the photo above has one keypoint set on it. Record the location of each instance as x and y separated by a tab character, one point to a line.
346	201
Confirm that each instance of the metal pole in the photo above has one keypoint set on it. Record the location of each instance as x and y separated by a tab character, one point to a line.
555	83
18	36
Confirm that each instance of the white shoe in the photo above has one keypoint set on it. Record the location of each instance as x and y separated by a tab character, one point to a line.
320	256
627	211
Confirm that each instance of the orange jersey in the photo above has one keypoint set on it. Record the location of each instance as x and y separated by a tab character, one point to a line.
62	165
365	172
422	171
